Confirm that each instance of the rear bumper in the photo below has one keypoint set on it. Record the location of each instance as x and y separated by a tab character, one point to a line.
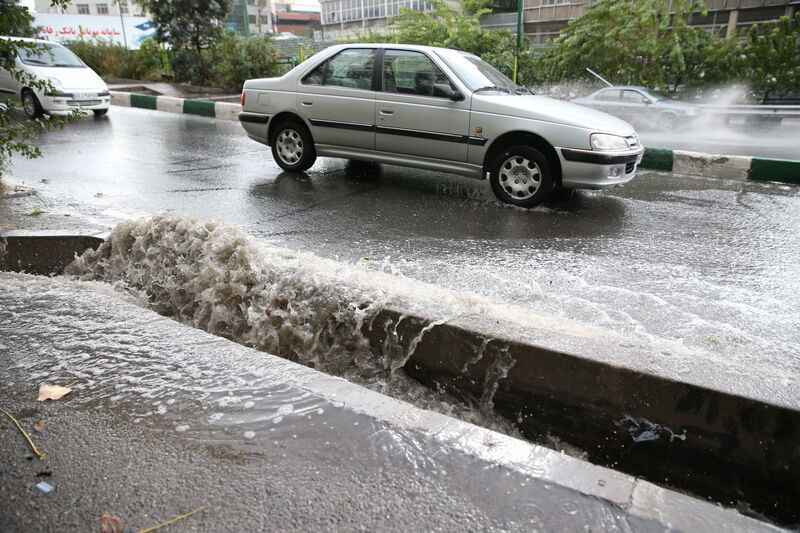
589	169
255	124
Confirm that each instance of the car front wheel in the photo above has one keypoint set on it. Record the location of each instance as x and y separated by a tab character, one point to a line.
100	112
521	176
293	147
31	105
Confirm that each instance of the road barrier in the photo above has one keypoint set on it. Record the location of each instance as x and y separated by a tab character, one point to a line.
677	161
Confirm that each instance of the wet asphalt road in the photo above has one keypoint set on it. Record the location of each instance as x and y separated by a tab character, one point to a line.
710	263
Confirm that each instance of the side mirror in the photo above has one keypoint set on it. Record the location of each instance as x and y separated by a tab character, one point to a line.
456	96
447	91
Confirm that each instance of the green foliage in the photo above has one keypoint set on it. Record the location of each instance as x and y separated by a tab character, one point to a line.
189	27
235	59
16	134
460	29
114	60
15	21
769	57
633	42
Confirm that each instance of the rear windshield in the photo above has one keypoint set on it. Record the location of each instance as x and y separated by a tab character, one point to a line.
49	55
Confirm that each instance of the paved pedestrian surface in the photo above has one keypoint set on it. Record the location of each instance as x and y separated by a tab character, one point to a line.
710	264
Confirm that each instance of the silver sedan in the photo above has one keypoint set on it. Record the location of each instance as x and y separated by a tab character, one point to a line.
437	109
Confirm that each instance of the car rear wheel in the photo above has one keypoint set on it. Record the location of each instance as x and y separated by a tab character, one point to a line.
31	105
293	147
521	176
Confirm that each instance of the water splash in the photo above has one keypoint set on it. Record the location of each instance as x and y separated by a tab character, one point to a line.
295	305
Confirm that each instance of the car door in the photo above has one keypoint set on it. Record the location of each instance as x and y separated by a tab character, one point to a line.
337	98
606	100
416	113
632	105
7	84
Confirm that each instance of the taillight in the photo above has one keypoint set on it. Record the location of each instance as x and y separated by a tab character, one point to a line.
241	99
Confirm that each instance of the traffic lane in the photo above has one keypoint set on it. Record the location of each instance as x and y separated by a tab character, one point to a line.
709	262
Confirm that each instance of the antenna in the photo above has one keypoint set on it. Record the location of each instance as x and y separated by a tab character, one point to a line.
599	77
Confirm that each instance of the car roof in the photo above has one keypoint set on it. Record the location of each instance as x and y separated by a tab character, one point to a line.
26	39
419	47
625	87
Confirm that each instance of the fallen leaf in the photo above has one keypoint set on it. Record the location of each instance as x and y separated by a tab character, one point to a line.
110	524
38	425
52	392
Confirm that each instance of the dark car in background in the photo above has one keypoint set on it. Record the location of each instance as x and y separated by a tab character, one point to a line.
642	107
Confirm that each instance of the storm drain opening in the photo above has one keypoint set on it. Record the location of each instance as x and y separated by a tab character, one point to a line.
433	348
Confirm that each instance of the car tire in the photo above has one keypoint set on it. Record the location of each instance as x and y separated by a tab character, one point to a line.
100	112
521	176
30	104
293	147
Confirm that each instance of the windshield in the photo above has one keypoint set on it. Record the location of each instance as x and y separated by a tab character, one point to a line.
475	72
49	55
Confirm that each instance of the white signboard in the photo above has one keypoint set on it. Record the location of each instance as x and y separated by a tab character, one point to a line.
63	28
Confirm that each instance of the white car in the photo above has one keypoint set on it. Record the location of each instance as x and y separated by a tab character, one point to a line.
75	85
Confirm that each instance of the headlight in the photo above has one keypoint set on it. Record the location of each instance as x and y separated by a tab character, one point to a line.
604	141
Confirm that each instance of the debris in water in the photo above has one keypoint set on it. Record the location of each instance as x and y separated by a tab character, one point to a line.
38	426
52	392
643	430
40	455
172	520
45	487
111	524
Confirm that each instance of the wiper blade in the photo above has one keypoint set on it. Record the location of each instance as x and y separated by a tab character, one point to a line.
492	88
522	90
38	62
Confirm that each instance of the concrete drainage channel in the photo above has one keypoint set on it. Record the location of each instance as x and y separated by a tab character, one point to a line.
727	448
678	161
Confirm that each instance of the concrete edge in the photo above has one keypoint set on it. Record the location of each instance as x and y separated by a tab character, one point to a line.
639	498
721	166
171	104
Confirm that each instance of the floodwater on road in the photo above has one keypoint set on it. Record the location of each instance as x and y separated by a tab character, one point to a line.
708	264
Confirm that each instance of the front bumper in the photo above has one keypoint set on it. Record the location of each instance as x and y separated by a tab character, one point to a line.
590	169
64	103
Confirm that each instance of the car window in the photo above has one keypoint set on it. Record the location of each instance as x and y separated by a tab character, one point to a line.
608	96
632	97
49	55
350	68
407	72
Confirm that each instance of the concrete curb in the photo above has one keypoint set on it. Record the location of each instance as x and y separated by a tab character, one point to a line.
487	467
678	161
735	167
171	104
716	444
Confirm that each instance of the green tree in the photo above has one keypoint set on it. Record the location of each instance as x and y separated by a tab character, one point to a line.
634	41
769	57
189	27
16	134
461	29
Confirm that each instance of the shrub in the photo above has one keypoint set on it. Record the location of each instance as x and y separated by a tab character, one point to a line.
110	59
235	59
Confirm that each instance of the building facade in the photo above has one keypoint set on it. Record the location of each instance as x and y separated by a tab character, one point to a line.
93	7
544	19
342	19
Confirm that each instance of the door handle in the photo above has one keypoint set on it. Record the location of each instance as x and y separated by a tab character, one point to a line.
387	112
307	104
